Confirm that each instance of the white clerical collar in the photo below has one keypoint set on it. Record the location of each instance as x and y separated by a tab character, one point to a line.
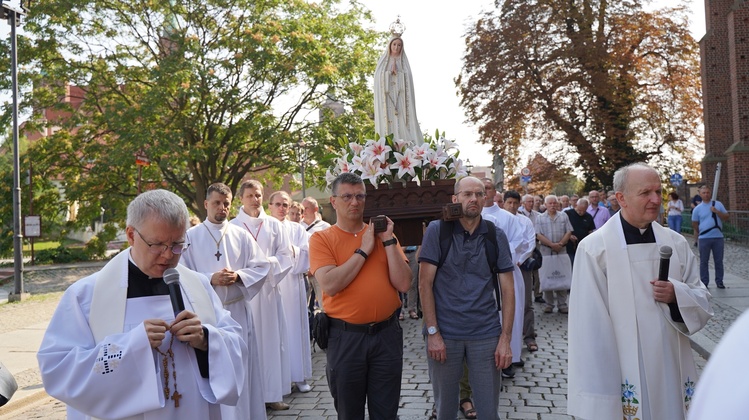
217	226
130	258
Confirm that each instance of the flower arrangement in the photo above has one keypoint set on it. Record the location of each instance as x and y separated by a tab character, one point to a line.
387	160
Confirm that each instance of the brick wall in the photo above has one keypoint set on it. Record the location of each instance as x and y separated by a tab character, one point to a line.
725	82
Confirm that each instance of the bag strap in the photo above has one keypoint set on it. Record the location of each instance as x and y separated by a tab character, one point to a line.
715	220
312	225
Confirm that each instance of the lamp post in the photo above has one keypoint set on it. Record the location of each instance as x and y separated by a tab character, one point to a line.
469	166
303	154
13	15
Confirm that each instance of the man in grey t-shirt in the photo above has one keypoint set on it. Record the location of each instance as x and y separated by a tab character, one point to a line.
460	312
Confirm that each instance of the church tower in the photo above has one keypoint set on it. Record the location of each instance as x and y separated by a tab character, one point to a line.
725	89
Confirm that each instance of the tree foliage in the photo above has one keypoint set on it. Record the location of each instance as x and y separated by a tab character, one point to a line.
208	90
598	84
43	193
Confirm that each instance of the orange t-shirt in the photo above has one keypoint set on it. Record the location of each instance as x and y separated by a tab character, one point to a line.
369	297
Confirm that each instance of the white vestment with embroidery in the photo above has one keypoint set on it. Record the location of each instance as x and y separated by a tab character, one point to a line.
96	357
627	357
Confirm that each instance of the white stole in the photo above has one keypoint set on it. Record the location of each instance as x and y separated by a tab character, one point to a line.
621	298
109	300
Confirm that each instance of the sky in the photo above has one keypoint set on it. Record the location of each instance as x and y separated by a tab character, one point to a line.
434	42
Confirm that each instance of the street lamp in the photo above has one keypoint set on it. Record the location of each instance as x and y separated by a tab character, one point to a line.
13	15
469	166
303	154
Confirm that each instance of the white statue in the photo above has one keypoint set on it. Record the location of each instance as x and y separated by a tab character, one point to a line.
395	103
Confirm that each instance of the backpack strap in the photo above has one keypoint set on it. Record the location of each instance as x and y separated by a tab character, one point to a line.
491	249
446	240
716	226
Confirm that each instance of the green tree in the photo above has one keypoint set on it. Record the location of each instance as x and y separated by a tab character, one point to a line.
599	83
44	194
208	90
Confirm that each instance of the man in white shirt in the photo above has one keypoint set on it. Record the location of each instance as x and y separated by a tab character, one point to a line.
237	268
267	307
294	293
115	348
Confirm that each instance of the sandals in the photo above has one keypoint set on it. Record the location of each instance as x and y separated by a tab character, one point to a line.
413	315
469	413
532	346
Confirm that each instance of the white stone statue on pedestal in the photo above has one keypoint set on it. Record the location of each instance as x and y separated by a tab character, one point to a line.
395	104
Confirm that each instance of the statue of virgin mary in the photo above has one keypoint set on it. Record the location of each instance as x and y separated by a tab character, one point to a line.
394	100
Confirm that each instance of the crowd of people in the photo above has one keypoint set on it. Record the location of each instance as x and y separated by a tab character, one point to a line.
124	343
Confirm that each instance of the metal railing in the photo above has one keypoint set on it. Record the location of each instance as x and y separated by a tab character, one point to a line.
736	228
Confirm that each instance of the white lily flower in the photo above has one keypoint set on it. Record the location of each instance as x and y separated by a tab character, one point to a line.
406	164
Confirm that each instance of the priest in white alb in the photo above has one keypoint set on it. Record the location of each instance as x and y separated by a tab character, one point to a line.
267	307
294	293
114	348
506	221
629	351
236	268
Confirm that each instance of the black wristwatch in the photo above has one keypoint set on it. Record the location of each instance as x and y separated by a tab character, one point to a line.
389	242
362	253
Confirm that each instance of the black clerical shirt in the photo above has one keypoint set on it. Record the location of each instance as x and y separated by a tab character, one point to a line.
140	285
633	236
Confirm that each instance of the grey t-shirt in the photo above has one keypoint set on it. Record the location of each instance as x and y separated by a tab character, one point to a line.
463	292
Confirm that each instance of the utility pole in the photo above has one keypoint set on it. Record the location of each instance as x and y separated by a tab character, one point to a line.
14	15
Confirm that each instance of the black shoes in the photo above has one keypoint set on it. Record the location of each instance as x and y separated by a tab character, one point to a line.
721	286
539	299
508	372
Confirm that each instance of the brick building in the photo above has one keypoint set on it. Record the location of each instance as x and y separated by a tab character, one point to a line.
725	85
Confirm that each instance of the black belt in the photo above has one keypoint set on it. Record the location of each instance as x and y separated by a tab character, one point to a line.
372	328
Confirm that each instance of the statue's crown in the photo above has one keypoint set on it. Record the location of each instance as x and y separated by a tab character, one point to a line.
397	28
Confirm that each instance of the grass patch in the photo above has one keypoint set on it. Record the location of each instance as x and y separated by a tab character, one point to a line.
37	297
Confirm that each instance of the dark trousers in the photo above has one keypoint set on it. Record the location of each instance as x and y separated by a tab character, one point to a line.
365	368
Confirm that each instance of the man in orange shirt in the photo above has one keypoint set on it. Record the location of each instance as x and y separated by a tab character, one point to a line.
360	274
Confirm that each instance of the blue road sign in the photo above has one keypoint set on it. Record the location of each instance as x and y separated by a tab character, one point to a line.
676	180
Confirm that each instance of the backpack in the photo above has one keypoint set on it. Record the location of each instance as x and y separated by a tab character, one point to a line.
534	262
491	249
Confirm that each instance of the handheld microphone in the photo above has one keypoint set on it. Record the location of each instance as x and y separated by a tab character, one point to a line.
665	252
171	278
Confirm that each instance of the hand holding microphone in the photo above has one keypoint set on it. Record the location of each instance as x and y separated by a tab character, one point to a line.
663	290
186	326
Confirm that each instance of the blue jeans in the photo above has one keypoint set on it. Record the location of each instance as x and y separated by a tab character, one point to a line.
706	245
485	378
674	222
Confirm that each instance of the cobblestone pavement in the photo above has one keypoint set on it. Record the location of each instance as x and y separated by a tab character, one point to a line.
538	390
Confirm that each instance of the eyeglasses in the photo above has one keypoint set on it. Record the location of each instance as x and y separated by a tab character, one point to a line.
469	194
347	197
284	205
158	249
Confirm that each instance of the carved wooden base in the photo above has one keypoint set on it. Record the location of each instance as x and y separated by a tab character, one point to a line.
410	206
